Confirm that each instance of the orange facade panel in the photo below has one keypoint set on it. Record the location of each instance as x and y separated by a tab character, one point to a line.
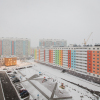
96	62
50	56
11	61
69	58
61	57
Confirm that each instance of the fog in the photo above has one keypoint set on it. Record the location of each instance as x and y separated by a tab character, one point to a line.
71	20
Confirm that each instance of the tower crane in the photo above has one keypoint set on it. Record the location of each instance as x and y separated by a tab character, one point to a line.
85	42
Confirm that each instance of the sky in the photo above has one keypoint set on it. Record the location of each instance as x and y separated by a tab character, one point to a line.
71	20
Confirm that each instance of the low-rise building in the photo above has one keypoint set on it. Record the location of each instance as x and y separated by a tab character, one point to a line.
10	61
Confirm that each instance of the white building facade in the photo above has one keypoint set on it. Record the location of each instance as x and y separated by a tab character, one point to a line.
52	42
15	46
84	60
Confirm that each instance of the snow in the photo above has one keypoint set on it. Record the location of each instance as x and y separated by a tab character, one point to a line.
33	91
56	75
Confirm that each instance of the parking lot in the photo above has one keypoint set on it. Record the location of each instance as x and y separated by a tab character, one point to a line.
8	89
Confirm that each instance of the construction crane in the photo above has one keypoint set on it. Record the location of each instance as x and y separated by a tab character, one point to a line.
85	42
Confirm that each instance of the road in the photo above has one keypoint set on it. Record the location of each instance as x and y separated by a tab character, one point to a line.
1	92
9	91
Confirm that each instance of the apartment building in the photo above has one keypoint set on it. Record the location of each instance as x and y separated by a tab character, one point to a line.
32	51
15	46
10	61
2	61
80	59
52	42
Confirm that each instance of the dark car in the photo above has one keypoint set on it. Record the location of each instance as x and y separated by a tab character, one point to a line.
16	80
11	75
20	91
63	70
23	92
16	68
15	72
4	69
22	68
29	66
25	95
8	71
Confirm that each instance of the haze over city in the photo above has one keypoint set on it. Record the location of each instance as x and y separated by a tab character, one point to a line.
72	20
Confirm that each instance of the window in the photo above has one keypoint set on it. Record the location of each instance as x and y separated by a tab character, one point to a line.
97	75
97	65
93	55
97	72
89	67
97	58
97	55
94	48
93	58
93	71
89	60
89	54
93	61
89	51
97	68
97	61
97	51
97	48
93	64
89	57
93	68
93	51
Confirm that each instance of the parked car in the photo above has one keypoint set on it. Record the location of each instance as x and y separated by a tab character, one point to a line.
16	68
4	69
25	95
20	91
8	71
63	70
22	68
29	66
15	72
11	75
23	92
16	80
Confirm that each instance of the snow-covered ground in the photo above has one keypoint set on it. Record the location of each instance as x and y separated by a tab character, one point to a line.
73	90
57	74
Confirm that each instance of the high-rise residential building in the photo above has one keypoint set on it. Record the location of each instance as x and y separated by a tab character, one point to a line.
52	42
14	47
84	60
32	51
2	60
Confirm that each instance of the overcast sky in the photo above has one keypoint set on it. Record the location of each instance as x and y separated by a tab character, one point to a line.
72	20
